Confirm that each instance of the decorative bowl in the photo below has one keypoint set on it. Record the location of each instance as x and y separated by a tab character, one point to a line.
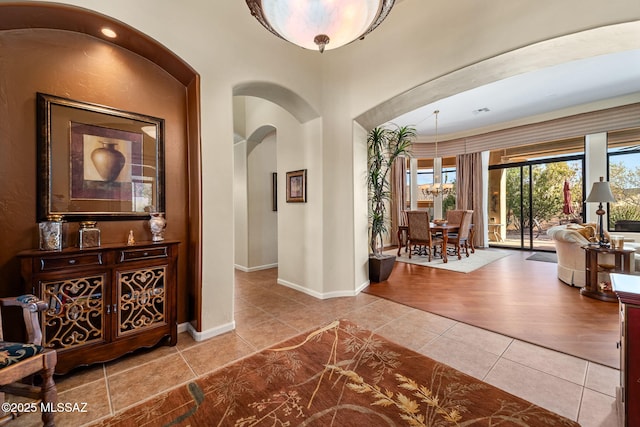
440	221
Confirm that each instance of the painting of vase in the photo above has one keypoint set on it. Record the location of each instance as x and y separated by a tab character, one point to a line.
108	161
105	163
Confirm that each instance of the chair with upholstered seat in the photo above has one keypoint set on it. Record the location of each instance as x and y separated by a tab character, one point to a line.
454	216
420	232
21	361
460	239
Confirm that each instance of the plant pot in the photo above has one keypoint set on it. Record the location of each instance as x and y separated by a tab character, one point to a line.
380	267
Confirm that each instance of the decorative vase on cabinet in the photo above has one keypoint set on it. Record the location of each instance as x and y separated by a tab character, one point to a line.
51	233
157	224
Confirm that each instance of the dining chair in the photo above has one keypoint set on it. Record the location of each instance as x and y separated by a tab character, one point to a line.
454	216
19	362
420	233
461	238
403	231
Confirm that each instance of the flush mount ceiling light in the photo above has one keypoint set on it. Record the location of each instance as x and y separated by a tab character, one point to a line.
320	24
108	32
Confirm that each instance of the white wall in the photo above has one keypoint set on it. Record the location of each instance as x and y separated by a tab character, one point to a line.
240	206
299	225
262	220
595	166
419	41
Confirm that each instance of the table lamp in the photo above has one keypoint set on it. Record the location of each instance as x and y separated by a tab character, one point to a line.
601	193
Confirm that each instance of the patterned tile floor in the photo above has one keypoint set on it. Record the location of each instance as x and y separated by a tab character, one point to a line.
267	313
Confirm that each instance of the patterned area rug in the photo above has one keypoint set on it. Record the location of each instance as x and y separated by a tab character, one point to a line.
475	261
338	375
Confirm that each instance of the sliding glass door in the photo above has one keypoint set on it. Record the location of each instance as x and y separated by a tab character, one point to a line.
528	198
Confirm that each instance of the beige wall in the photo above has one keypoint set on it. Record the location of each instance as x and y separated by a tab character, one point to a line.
299	225
263	221
419	42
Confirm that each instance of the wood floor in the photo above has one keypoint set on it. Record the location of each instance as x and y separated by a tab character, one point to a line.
516	297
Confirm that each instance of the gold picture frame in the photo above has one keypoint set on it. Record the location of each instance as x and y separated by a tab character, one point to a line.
297	186
96	162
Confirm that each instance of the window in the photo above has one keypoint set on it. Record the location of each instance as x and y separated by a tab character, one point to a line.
424	184
624	178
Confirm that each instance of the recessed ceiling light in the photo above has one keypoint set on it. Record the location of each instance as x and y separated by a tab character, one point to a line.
108	32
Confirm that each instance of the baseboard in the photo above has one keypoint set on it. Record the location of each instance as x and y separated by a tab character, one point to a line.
183	327
320	295
300	288
362	287
210	333
252	269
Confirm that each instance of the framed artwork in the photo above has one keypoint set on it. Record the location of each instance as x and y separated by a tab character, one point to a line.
274	191
297	186
97	162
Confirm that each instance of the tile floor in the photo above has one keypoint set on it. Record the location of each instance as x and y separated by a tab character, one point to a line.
267	313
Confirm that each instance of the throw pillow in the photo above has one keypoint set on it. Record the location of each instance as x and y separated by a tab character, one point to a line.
596	230
588	232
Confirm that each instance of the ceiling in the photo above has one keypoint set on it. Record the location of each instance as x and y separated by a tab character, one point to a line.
562	86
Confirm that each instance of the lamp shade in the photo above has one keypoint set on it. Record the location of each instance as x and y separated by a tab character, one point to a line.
320	24
601	192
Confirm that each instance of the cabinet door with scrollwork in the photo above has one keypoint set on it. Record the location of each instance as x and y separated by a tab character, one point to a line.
141	300
75	314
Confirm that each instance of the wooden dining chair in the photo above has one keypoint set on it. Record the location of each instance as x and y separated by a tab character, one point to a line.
19	362
460	239
454	216
403	231
420	233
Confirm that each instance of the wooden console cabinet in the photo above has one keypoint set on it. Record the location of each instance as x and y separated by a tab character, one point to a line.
104	302
627	287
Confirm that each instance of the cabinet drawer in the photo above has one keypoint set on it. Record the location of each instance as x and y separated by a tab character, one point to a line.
70	261
143	253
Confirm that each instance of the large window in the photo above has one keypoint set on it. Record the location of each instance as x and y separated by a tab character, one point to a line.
624	177
425	180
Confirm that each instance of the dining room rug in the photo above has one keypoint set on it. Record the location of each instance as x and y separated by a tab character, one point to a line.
474	261
337	375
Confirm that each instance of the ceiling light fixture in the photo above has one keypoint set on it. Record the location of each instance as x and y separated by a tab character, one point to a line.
320	24
435	189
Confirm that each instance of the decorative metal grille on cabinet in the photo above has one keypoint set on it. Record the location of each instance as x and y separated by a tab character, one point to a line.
141	299
74	316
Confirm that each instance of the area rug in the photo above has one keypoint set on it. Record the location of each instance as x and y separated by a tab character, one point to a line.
544	257
475	260
338	375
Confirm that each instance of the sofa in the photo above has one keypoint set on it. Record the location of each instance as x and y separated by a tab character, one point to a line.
568	240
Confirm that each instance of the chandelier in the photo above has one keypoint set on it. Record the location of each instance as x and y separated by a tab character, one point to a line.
320	24
436	189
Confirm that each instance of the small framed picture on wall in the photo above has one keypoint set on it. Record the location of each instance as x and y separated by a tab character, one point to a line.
297	186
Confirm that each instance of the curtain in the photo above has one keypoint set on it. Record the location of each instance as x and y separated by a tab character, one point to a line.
470	190
398	196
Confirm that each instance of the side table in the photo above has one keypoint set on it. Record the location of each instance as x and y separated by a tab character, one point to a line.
622	264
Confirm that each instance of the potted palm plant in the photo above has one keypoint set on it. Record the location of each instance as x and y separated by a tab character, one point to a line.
384	146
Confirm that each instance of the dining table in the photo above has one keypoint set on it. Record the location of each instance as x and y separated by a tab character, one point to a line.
444	229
